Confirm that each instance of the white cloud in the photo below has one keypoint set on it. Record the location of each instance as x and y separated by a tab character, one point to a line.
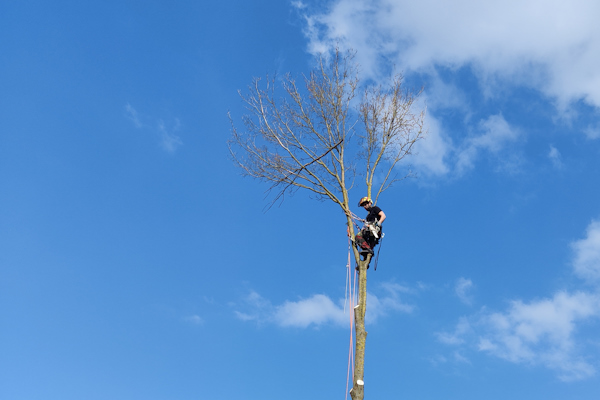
541	332
298	4
316	310
132	114
445	95
553	47
459	358
259	308
438	360
379	306
437	155
246	317
592	132
545	331
462	288
463	327
586	261
495	135
555	157
169	141
430	154
319	309
194	319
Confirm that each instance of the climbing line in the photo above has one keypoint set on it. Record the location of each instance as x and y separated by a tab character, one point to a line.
351	291
355	218
378	250
346	290
351	294
355	294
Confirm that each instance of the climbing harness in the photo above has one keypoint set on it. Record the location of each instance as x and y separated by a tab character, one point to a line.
368	237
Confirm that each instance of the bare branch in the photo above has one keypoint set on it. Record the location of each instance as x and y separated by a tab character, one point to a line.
310	138
391	130
297	173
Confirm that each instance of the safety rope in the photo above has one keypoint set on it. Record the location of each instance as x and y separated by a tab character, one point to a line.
355	218
378	250
351	293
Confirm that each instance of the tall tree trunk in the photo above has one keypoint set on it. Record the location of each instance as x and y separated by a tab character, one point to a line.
358	388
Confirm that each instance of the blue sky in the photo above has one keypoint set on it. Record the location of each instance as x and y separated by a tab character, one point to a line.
136	262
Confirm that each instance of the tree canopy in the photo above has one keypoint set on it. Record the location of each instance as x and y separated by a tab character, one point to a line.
320	135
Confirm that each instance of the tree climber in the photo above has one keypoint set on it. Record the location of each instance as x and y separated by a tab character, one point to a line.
369	235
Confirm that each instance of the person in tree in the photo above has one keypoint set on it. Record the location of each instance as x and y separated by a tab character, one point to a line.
369	235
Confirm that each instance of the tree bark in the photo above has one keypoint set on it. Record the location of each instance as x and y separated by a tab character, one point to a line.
308	139
358	389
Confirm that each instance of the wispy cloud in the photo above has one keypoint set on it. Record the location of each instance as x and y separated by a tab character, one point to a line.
438	155
462	289
586	262
544	331
256	307
132	114
541	332
319	310
194	319
495	135
169	141
555	157
463	327
167	137
592	132
388	301
298	4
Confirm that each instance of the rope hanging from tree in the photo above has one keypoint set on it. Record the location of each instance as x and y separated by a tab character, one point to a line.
350	299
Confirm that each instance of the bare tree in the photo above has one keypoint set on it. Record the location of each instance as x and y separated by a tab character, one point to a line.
318	136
